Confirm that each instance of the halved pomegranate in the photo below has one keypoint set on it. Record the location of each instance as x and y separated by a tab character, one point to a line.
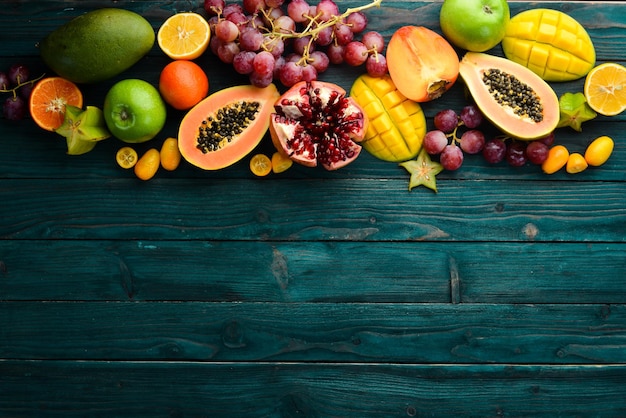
316	123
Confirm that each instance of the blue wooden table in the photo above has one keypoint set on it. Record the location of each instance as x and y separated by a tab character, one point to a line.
310	293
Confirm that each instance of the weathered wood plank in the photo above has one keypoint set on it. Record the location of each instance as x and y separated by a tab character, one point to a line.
294	210
104	389
296	272
341	332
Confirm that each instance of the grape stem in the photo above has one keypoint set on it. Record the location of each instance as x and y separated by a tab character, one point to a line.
314	27
20	85
313	31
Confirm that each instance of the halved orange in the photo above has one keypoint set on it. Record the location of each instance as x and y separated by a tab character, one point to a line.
184	36
605	89
48	99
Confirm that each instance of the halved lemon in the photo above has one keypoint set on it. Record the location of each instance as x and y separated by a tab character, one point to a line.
605	89
126	157
184	36
260	165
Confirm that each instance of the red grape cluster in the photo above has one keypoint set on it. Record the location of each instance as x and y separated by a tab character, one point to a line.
292	41
16	80
445	142
517	153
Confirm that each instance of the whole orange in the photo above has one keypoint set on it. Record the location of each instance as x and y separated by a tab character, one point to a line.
183	84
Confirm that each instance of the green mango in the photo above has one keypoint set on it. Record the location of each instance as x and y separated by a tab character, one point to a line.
97	45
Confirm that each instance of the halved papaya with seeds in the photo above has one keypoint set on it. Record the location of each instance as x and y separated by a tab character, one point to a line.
515	99
226	126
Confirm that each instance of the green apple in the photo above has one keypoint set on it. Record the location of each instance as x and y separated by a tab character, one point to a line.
474	25
134	111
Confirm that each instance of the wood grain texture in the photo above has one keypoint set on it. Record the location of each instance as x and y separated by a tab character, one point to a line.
310	294
300	272
342	332
311	210
66	389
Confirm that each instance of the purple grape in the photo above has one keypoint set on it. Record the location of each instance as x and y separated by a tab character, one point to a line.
226	31
5	83
343	34
494	151
298	10
374	41
472	141
326	9
242	62
319	60
14	108
357	21
451	157
537	152
355	53
290	73
227	51
213	7
250	39
18	74
516	154
230	8
446	120
274	4
25	90
548	140
260	80
284	24
303	44
253	6
324	36
309	73
335	53
376	65
471	116
263	64
434	142
275	45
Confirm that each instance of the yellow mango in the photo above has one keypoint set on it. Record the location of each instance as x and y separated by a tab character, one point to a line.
396	126
550	43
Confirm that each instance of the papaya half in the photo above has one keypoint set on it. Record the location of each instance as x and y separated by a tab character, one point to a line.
550	43
516	100
226	126
396	125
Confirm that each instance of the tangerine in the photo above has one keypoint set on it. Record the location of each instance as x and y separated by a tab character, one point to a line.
183	84
48	99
